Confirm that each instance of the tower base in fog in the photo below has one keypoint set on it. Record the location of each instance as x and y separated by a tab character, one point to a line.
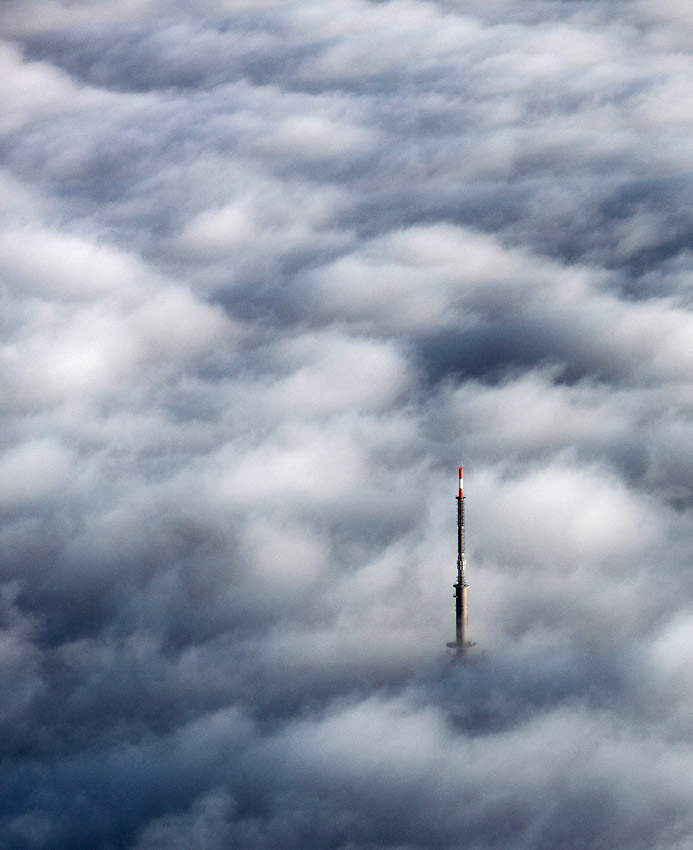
460	648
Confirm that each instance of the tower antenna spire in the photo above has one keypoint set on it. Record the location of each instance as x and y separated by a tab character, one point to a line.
461	642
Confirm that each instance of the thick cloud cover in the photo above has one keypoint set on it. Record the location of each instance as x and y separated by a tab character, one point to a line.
271	269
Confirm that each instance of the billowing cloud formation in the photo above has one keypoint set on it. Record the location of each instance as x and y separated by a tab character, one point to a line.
270	271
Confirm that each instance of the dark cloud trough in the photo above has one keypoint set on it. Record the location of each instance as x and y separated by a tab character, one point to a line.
270	271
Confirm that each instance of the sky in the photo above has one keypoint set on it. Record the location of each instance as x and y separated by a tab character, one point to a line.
270	271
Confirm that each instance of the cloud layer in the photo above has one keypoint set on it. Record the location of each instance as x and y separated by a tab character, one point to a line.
270	271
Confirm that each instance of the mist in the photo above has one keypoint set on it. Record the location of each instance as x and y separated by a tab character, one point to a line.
270	272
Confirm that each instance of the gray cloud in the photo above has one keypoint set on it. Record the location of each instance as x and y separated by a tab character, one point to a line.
270	271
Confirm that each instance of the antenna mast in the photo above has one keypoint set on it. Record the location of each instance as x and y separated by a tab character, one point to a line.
461	642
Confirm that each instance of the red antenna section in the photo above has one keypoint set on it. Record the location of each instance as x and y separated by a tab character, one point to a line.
461	490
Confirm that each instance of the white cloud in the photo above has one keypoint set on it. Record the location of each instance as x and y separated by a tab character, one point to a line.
269	272
57	265
33	470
